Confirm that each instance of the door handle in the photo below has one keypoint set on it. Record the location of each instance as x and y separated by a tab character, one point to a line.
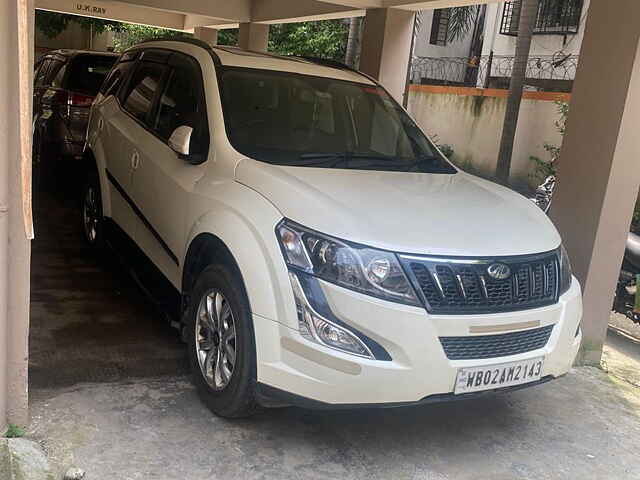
135	160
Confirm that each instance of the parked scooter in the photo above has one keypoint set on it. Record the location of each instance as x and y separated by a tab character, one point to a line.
626	300
544	193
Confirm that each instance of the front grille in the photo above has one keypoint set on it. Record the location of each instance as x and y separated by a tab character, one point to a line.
465	287
492	346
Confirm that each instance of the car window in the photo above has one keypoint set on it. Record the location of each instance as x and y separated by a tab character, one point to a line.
54	67
116	78
42	72
87	73
56	81
142	89
182	103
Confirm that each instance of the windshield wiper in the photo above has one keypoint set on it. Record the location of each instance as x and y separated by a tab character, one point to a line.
327	160
355	160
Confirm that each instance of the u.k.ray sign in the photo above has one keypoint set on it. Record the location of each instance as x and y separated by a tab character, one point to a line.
88	9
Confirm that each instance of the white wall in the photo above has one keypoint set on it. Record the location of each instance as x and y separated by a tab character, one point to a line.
73	37
423	48
453	71
472	125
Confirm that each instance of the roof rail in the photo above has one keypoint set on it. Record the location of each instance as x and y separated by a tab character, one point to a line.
168	38
193	41
334	64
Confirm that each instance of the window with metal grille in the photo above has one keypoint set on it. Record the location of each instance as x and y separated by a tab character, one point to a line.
440	26
560	17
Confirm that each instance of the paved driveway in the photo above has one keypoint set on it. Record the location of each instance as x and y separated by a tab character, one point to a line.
583	426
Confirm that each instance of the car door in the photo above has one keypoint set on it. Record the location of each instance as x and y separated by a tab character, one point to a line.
123	132
163	180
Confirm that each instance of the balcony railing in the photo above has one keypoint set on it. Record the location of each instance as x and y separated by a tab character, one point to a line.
465	72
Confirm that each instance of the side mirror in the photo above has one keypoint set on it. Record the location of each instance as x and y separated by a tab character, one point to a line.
180	140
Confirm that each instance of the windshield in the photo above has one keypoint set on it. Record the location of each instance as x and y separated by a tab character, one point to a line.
298	120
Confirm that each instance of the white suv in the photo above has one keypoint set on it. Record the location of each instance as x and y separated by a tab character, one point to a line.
321	249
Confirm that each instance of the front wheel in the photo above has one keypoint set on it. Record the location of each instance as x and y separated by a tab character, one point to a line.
221	343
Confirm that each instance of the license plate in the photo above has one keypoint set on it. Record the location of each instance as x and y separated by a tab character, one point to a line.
475	379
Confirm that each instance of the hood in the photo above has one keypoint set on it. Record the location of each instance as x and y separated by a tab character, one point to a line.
405	212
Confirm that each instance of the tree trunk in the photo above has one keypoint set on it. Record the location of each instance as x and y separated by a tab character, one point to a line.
353	41
528	14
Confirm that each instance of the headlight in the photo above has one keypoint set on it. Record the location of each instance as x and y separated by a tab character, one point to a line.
363	269
565	270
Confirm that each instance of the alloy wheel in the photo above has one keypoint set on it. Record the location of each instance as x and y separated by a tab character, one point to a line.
215	335
90	214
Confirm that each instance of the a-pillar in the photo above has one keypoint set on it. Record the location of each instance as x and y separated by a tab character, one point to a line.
599	169
16	81
253	36
386	45
209	35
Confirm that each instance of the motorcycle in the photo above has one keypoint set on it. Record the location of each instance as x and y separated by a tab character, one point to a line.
626	300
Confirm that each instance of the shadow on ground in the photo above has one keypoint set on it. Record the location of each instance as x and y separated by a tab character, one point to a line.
89	320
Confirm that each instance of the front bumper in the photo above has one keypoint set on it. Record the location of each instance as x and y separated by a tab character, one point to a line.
419	369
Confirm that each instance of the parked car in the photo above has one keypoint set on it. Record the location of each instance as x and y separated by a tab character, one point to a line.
65	85
324	252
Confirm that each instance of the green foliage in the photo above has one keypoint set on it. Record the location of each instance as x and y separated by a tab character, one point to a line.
131	34
52	24
635	221
324	39
13	431
461	22
228	37
543	168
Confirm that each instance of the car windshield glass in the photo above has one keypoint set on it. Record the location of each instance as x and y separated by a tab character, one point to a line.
87	72
299	120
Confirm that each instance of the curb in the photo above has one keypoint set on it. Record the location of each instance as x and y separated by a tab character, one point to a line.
23	459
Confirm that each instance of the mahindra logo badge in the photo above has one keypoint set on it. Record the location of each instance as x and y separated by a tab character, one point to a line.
499	271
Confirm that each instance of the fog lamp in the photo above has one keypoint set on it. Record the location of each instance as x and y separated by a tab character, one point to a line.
316	328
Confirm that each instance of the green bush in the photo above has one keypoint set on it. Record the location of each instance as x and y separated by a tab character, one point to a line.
543	168
13	431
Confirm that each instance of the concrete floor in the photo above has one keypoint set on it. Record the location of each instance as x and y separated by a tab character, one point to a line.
583	426
109	394
89	320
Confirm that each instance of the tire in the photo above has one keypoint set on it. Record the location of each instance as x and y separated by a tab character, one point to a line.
91	211
220	287
36	159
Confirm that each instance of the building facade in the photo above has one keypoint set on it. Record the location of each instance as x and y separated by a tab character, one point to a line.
553	58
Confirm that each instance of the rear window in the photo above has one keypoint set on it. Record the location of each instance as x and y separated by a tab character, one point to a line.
87	72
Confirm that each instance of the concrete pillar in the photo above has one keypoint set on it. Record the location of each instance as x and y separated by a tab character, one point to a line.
386	45
599	170
209	35
253	36
16	80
